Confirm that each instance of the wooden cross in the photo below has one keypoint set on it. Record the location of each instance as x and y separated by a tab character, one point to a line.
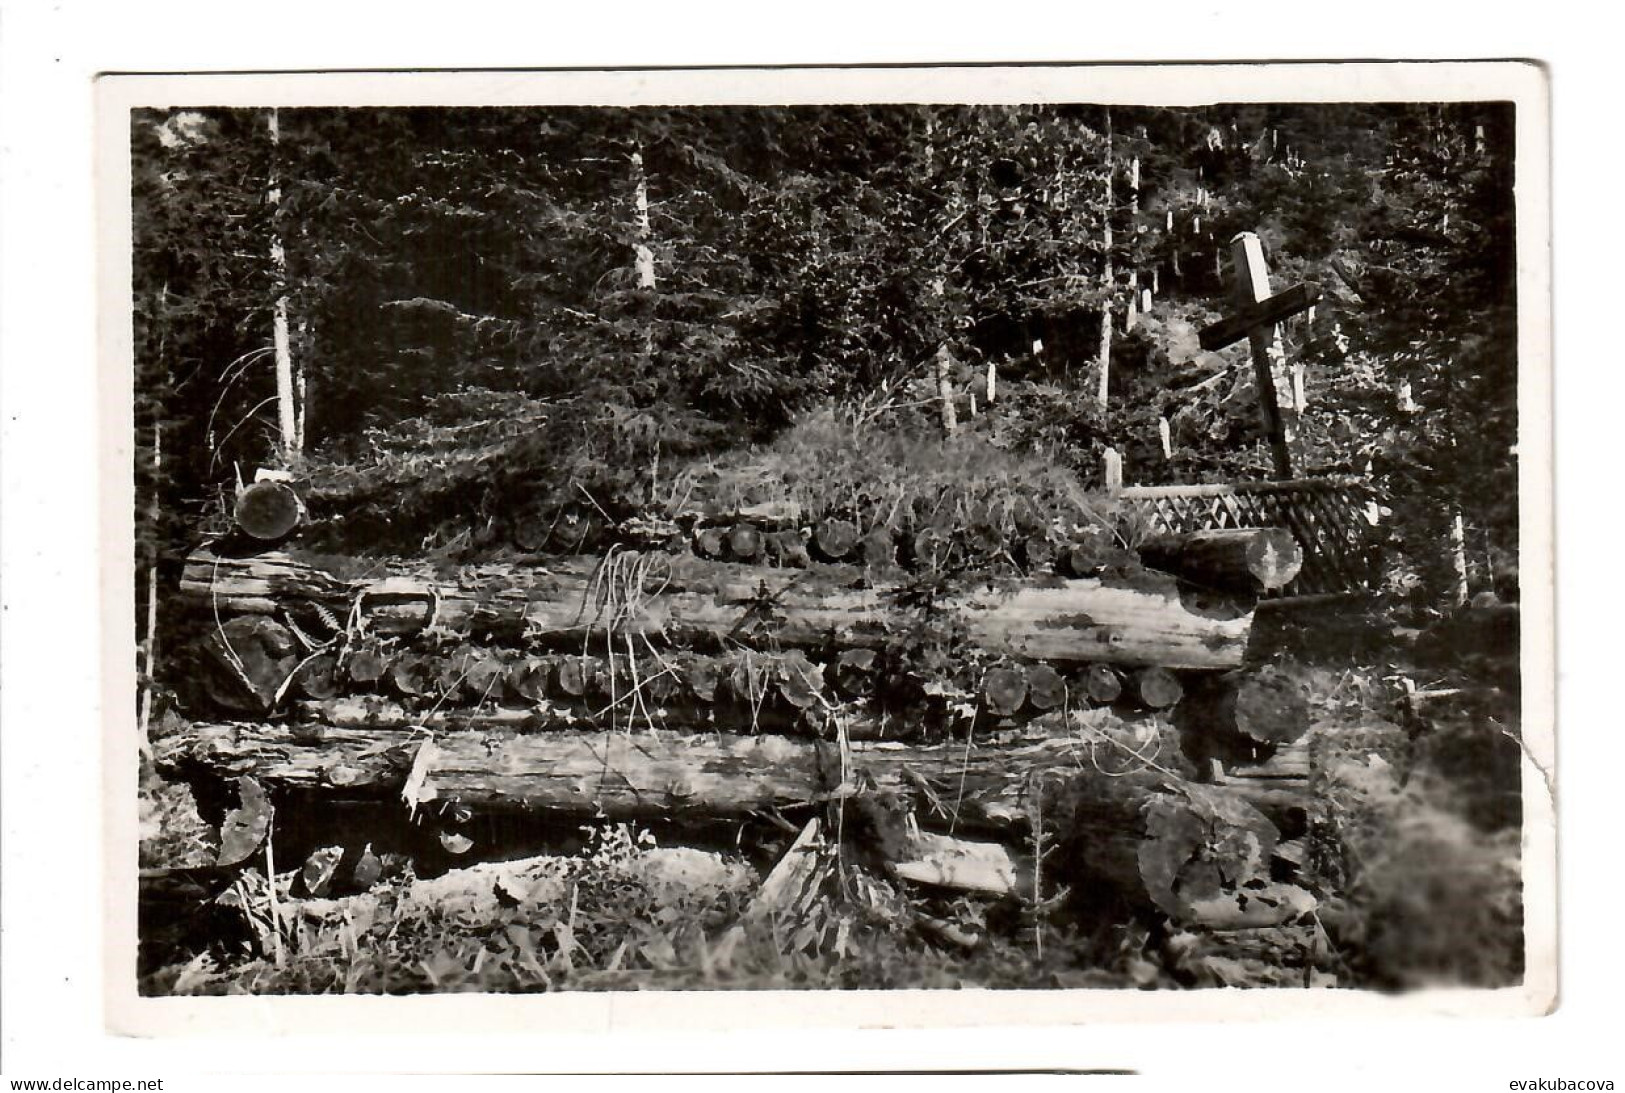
1258	312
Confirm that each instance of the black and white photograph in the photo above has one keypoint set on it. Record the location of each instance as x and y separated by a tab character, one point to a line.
1073	543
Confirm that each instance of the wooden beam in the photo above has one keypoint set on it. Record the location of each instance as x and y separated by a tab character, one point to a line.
1267	312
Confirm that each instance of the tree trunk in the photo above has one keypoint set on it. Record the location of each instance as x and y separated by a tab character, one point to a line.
1140	619
287	407
1155	837
1233	559
1108	280
149	647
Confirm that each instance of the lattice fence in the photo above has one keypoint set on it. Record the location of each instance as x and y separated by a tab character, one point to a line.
1333	520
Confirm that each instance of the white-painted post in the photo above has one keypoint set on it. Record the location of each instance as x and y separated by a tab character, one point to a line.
1458	559
1114	471
945	390
645	255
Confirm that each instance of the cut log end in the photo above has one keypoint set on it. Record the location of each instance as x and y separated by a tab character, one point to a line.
835	539
1038	553
786	549
744	542
710	543
1157	688
319	678
1102	684
268	511
1241	559
1271	706
1046	689
1004	690
879	550
1274	557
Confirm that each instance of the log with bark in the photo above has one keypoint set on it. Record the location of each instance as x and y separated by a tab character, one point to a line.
1186	849
679	599
1234	559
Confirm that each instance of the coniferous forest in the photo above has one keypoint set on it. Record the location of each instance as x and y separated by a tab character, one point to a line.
611	548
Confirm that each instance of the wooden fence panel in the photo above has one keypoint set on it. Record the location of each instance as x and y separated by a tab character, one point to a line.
1330	517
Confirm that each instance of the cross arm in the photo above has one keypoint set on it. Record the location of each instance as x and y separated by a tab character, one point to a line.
1266	312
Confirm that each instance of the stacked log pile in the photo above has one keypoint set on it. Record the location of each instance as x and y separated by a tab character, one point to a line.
754	665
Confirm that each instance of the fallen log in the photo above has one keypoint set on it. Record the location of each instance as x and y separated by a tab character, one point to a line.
487	893
683	600
770	515
1153	836
1236	559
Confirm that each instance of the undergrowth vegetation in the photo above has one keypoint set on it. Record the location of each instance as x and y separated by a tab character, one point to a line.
883	466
